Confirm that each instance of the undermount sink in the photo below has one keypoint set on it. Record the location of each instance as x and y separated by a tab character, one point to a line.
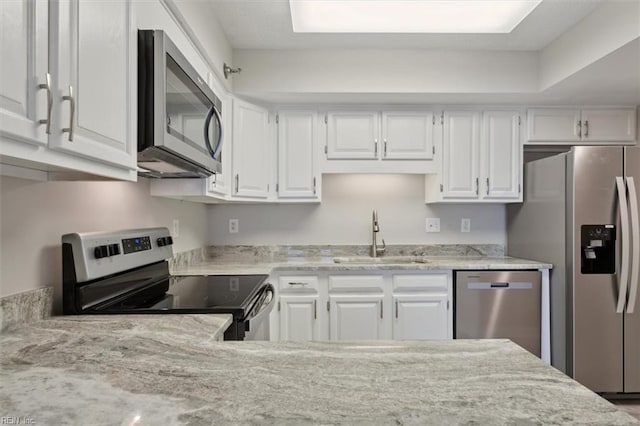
387	259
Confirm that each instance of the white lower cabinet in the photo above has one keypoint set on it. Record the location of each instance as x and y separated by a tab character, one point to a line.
356	317
420	317
299	317
382	305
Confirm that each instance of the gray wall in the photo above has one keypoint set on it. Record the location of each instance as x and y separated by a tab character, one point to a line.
34	215
344	217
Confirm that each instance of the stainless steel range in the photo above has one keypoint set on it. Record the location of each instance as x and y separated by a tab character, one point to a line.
126	272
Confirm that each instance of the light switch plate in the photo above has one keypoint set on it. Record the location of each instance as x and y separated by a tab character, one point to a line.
433	224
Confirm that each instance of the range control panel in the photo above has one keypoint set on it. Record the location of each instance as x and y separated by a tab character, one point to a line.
97	254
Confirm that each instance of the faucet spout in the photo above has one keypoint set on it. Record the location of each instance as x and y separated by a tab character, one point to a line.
375	228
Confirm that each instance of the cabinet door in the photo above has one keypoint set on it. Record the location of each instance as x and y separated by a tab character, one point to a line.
356	317
93	54
299	317
407	135
461	174
23	67
609	125
297	133
501	153
420	317
352	135
553	125
250	150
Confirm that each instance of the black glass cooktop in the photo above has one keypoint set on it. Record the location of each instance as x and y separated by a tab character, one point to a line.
232	294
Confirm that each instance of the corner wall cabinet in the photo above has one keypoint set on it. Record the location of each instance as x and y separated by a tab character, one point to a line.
482	158
81	118
569	125
381	305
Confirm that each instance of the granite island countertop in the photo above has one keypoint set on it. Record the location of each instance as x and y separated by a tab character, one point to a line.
423	263
171	370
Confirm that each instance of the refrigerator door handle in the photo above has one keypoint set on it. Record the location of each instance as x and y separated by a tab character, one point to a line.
624	222
635	233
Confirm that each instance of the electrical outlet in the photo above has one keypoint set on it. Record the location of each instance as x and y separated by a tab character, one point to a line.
465	225
176	228
233	226
433	224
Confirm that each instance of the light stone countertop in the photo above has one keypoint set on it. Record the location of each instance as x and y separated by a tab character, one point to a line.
226	267
170	369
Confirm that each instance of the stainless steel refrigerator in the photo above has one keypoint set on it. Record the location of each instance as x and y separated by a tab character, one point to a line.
580	213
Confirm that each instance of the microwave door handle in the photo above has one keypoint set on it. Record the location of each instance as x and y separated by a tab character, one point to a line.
635	233
213	111
624	222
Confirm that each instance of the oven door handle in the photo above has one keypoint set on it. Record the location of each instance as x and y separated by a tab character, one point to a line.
207	122
263	306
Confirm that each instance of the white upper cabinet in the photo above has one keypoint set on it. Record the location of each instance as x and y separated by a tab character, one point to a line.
250	150
23	68
570	125
501	151
482	158
609	125
93	52
461	160
407	135
297	142
352	135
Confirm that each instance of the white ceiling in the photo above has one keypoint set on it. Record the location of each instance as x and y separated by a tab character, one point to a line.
266	24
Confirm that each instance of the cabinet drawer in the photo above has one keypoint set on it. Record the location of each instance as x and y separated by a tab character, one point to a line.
431	282
298	283
356	283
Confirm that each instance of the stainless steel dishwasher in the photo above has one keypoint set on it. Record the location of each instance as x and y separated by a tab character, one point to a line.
499	304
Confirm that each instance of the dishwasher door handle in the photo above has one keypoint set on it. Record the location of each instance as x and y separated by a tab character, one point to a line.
510	285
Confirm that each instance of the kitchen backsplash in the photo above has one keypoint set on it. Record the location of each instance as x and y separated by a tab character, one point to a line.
279	253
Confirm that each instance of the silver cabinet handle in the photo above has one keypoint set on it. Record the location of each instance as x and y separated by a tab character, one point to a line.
487	186
72	113
635	233
315	309
47	86
382	309
579	128
298	283
375	147
477	186
237	182
396	309
624	222
314	186
586	129
385	148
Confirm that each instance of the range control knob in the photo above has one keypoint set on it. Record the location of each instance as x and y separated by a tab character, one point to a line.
101	251
114	249
165	241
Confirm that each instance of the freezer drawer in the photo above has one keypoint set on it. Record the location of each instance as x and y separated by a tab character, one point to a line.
499	304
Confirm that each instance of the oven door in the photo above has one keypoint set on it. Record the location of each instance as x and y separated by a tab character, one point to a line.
181	114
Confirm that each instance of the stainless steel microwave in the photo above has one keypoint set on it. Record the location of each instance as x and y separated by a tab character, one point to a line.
179	117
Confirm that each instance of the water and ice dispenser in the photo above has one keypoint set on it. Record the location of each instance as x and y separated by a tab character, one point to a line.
598	249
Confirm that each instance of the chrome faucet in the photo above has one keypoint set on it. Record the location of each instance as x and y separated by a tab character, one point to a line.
375	251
